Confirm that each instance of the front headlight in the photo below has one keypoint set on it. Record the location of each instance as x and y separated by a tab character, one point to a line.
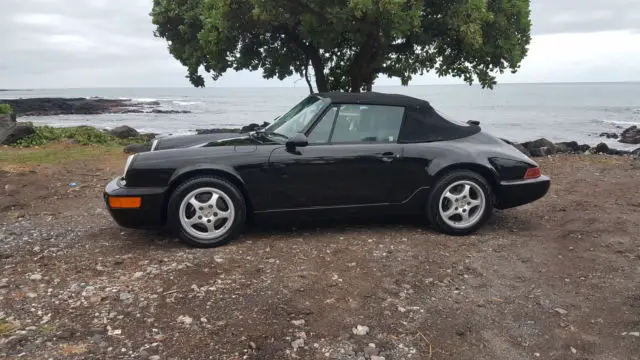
127	164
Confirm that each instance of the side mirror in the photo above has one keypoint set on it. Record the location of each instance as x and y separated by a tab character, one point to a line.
298	140
473	122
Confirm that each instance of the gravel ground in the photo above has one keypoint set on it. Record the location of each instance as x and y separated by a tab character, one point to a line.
557	279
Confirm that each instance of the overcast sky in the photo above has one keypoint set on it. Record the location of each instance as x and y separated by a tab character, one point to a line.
110	43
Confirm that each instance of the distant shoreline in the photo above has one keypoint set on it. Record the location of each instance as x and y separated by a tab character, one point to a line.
293	86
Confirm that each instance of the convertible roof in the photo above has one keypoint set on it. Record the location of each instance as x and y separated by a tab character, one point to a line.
422	122
374	98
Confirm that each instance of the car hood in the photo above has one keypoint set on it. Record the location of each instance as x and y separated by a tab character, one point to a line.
210	140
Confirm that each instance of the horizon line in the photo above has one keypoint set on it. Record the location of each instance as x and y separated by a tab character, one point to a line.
295	87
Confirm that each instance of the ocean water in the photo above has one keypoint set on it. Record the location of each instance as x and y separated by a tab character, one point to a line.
519	112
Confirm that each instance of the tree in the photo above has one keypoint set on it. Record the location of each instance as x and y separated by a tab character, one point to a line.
347	44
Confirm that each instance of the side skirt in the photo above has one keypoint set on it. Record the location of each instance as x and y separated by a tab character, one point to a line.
412	205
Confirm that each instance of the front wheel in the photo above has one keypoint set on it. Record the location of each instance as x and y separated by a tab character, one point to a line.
460	203
206	212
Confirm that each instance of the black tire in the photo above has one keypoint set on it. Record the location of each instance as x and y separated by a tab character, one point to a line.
434	215
220	184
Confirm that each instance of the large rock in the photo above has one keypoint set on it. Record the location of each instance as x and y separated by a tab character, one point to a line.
609	135
568	147
535	147
253	127
136	148
124	132
636	152
13	132
602	148
630	136
6	119
541	151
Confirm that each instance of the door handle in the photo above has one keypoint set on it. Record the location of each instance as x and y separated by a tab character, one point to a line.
388	156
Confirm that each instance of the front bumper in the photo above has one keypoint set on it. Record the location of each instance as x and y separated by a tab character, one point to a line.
515	193
151	212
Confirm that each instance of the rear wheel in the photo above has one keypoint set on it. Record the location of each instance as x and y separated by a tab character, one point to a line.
206	212
460	203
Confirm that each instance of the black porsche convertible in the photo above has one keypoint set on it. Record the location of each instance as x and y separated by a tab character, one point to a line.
332	154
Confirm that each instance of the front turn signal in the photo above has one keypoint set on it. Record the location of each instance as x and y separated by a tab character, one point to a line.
532	173
122	202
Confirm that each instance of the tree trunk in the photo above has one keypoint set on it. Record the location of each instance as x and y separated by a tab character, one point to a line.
318	72
306	78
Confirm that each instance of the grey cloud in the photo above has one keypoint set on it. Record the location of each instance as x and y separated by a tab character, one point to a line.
581	16
90	43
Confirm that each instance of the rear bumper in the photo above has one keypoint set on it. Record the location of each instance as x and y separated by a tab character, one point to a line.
151	212
515	193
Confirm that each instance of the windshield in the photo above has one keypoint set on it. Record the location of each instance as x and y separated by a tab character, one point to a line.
296	119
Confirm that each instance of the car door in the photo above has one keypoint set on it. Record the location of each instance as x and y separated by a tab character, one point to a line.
352	159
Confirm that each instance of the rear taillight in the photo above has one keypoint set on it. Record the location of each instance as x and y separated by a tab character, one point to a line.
532	173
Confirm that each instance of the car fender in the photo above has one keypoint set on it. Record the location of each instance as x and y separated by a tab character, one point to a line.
186	171
463	160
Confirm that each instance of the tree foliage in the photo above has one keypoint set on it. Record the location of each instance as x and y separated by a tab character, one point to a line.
347	44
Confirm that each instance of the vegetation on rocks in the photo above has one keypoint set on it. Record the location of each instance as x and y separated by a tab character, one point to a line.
5	109
83	135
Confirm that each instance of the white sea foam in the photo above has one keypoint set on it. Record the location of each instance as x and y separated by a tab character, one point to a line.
618	122
144	100
187	103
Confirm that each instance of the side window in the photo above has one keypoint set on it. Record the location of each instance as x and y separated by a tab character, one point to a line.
321	132
368	124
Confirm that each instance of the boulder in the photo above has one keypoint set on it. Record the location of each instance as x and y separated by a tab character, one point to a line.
609	135
541	151
636	152
136	148
6	119
253	127
602	148
630	136
534	146
584	148
15	131
124	132
568	147
522	149
215	131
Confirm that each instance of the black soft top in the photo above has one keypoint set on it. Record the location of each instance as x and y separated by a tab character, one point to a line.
374	98
422	123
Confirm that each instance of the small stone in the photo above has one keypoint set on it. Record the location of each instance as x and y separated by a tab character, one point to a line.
561	311
536	354
10	189
138	274
635	333
125	296
370	351
154	357
360	330
377	358
185	319
298	343
298	322
573	350
252	345
460	332
35	277
97	331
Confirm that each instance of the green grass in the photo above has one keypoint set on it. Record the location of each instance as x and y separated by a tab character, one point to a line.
83	135
5	109
56	153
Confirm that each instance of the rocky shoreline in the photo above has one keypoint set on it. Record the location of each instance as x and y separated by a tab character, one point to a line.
84	106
